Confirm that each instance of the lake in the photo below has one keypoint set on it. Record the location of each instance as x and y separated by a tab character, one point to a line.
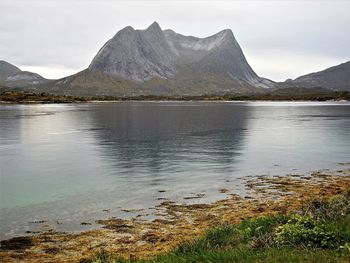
65	164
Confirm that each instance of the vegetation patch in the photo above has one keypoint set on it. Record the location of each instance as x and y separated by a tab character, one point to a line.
35	97
318	232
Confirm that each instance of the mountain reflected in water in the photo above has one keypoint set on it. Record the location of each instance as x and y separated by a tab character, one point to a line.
169	141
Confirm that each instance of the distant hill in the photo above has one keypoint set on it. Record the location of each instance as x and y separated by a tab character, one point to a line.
335	78
12	76
7	70
162	62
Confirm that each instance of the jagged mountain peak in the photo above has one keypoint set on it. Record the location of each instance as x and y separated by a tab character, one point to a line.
141	55
129	30
123	33
136	55
154	26
153	32
126	29
227	32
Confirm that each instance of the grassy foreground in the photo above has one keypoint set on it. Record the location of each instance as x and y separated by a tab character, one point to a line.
318	232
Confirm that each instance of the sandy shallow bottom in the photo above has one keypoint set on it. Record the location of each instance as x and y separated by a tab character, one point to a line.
176	222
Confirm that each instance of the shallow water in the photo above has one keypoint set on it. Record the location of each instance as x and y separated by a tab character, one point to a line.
72	163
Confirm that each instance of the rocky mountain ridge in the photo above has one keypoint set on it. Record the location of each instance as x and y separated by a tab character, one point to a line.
335	78
12	76
169	59
165	63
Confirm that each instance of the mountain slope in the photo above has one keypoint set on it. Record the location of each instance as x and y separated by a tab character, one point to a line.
336	78
12	76
218	55
136	54
157	62
7	69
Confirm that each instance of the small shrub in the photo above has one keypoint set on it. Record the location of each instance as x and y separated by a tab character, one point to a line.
326	209
259	226
305	231
259	232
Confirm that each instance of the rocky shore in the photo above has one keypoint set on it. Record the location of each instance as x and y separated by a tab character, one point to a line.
138	238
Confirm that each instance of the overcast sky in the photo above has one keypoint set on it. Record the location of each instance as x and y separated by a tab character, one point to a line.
281	39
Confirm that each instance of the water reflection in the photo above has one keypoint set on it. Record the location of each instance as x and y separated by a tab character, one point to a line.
165	142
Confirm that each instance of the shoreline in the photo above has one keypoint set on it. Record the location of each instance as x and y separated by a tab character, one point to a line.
268	195
172	100
27	97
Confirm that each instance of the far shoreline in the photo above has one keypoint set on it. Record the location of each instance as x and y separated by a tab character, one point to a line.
158	101
28	97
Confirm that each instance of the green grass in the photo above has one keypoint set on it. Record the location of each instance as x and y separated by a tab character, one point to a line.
318	233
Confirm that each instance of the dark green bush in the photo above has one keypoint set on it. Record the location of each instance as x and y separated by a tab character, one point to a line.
305	231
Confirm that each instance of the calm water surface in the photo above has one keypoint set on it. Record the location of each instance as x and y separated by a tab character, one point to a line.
68	164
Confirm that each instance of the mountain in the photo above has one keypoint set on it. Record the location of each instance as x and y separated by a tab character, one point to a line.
335	78
136	54
162	62
12	76
7	70
218	55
